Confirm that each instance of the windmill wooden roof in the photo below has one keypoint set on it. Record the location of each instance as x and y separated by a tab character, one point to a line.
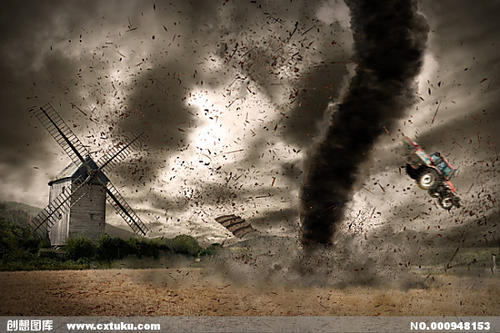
71	172
67	172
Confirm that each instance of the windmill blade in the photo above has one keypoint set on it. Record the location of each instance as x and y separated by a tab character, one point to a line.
124	210
61	132
116	154
50	214
60	204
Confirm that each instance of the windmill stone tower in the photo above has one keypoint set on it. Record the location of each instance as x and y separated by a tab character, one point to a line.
77	200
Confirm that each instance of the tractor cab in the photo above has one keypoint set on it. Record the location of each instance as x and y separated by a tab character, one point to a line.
442	165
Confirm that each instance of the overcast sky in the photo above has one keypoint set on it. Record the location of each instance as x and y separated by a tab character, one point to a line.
231	95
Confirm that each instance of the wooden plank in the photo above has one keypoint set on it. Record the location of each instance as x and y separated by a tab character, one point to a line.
229	223
244	231
235	224
222	219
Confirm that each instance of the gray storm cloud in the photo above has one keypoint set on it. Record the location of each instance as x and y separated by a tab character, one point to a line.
180	73
231	97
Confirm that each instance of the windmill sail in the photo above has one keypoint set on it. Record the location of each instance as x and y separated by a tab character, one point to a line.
114	198
124	210
61	132
49	216
117	154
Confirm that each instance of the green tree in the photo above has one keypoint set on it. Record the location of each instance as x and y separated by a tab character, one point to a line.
110	248
184	244
80	248
144	247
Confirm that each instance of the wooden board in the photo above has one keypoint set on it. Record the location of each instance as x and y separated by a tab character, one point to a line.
235	224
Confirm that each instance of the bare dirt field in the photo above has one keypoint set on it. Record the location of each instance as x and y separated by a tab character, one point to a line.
191	291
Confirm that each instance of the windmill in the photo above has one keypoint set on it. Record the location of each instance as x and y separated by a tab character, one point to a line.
77	201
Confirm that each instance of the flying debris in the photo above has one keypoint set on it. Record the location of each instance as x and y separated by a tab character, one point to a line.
433	174
77	198
235	225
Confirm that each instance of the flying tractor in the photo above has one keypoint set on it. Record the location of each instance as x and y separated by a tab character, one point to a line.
433	174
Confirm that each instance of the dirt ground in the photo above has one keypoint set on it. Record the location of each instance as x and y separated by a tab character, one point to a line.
191	291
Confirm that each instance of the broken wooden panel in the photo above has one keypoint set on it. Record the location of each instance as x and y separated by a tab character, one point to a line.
235	224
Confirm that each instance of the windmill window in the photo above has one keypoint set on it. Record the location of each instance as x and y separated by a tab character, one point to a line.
92	216
63	189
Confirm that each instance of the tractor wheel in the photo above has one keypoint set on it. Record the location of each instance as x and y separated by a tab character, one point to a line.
428	179
433	193
446	202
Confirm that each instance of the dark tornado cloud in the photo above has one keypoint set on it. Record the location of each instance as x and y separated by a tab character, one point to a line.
389	40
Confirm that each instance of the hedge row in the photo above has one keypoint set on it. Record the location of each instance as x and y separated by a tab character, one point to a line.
111	248
20	249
